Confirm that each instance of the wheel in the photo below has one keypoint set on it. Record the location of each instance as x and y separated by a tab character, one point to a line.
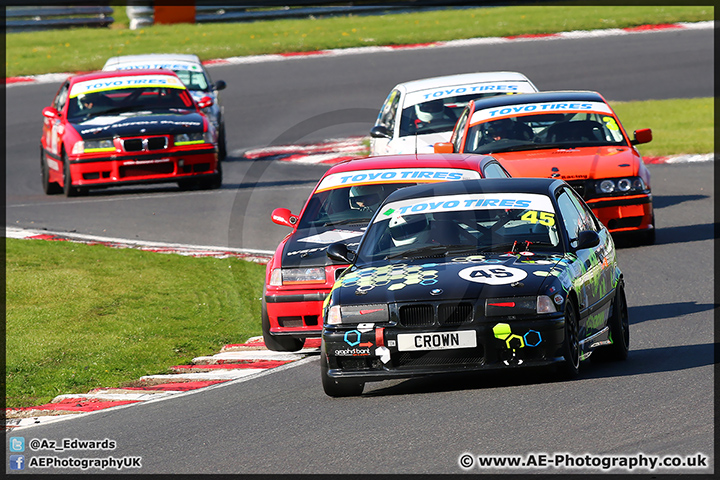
68	189
619	330
571	344
334	387
277	343
50	188
648	236
222	143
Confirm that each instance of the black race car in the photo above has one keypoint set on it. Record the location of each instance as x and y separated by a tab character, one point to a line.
474	275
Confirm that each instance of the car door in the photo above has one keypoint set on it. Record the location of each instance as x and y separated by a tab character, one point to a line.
387	119
592	270
53	128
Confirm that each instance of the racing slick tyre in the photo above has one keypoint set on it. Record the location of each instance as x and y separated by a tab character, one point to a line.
619	330
68	189
334	387
277	343
50	188
222	143
648	237
571	345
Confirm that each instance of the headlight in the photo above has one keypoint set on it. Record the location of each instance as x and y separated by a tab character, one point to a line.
376	313
297	276
502	307
620	185
190	138
105	145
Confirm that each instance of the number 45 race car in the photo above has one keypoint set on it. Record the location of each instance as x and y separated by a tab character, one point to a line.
473	275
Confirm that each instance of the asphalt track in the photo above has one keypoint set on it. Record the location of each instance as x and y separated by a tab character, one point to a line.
659	402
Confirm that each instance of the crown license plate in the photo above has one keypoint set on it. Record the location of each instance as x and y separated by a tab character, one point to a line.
408	342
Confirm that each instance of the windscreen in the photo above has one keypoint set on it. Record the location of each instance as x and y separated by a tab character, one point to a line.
465	224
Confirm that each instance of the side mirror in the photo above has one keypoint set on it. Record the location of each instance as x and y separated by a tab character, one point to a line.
642	136
50	112
339	252
220	85
587	239
283	216
444	147
205	102
380	131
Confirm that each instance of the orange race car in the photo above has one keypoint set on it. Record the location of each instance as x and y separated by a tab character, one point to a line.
572	135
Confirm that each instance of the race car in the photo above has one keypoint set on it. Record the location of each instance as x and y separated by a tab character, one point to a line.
119	128
300	275
573	135
193	74
474	275
420	113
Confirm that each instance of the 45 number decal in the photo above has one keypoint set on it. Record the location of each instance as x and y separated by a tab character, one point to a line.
543	218
492	274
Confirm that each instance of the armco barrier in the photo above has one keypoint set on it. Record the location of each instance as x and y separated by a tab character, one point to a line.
20	19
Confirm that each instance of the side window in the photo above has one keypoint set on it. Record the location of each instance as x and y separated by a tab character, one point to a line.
389	110
571	219
494	170
61	97
459	127
588	220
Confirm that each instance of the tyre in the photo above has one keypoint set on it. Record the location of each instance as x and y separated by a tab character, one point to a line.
648	236
68	189
50	188
571	344
277	343
619	330
334	387
222	143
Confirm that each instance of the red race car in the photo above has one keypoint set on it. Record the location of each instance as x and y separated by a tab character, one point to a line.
131	127
300	274
574	136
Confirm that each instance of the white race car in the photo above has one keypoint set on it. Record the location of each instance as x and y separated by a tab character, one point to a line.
192	73
420	113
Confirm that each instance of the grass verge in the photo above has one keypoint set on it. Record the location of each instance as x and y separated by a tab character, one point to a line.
83	49
84	316
680	126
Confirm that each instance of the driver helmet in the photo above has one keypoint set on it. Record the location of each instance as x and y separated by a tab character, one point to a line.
499	129
365	197
407	230
429	111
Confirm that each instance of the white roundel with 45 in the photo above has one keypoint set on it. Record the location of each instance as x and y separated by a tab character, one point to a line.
492	274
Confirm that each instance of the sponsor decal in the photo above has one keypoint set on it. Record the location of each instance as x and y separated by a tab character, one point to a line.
558	299
479	88
140	81
454	203
161	65
395	175
547	107
352	352
143	162
492	274
331	236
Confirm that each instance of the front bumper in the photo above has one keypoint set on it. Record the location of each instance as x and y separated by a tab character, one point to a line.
296	313
371	353
127	168
624	214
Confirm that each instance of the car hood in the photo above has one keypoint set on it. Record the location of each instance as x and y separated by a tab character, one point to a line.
140	123
419	143
307	247
449	278
572	163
